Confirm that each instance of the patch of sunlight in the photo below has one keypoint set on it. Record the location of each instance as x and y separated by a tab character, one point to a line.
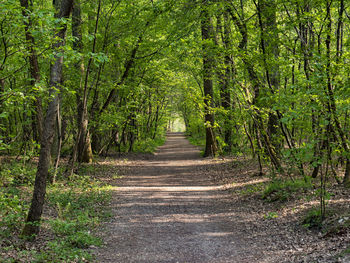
187	219
242	184
168	188
217	234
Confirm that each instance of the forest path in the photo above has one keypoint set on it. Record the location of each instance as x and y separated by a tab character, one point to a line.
167	210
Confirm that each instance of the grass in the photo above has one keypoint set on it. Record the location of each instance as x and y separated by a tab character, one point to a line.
74	208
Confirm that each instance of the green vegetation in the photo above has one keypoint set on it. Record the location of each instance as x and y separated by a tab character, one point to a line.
271	215
313	219
75	208
148	145
282	190
253	189
268	79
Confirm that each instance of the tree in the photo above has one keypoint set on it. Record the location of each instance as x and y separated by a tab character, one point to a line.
32	223
208	65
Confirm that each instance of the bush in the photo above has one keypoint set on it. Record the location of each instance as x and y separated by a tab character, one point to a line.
313	219
16	174
148	145
282	190
12	214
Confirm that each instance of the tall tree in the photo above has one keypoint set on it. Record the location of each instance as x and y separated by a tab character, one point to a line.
34	215
208	67
33	68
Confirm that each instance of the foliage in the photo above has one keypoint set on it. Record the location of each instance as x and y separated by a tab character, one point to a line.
16	173
79	206
253	189
271	215
12	212
313	219
282	190
148	145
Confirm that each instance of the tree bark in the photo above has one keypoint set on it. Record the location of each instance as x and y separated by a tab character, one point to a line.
34	70
208	64
31	227
83	149
270	50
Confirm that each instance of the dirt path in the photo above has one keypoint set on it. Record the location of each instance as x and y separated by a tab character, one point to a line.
168	210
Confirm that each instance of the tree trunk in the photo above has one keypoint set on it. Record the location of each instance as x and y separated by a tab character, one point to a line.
84	151
31	227
208	64
34	70
270	49
224	73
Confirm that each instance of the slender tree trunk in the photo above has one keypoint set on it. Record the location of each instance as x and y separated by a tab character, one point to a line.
33	219
34	70
262	136
270	50
83	148
332	106
208	64
224	72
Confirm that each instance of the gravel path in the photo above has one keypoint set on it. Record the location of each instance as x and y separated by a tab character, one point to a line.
167	210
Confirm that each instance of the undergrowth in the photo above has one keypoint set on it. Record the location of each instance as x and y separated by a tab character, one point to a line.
148	145
282	190
74	208
196	140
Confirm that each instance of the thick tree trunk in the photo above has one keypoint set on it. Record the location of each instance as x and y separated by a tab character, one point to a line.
33	219
208	64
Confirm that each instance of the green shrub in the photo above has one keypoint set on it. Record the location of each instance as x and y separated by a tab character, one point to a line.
16	174
83	239
148	145
282	190
313	219
62	251
79	203
12	214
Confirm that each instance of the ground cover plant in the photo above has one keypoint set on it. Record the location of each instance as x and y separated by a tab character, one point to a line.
75	207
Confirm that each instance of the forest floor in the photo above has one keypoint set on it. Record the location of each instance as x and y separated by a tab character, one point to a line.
178	207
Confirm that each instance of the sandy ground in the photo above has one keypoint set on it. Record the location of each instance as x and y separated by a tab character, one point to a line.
169	209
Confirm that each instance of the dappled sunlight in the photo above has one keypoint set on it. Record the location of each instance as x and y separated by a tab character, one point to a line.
216	234
243	184
167	188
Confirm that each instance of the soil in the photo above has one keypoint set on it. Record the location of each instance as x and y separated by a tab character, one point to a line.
176	206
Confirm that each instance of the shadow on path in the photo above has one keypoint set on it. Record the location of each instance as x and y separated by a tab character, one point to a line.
167	210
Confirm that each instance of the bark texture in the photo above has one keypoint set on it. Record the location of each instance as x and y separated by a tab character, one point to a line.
33	219
208	64
34	70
